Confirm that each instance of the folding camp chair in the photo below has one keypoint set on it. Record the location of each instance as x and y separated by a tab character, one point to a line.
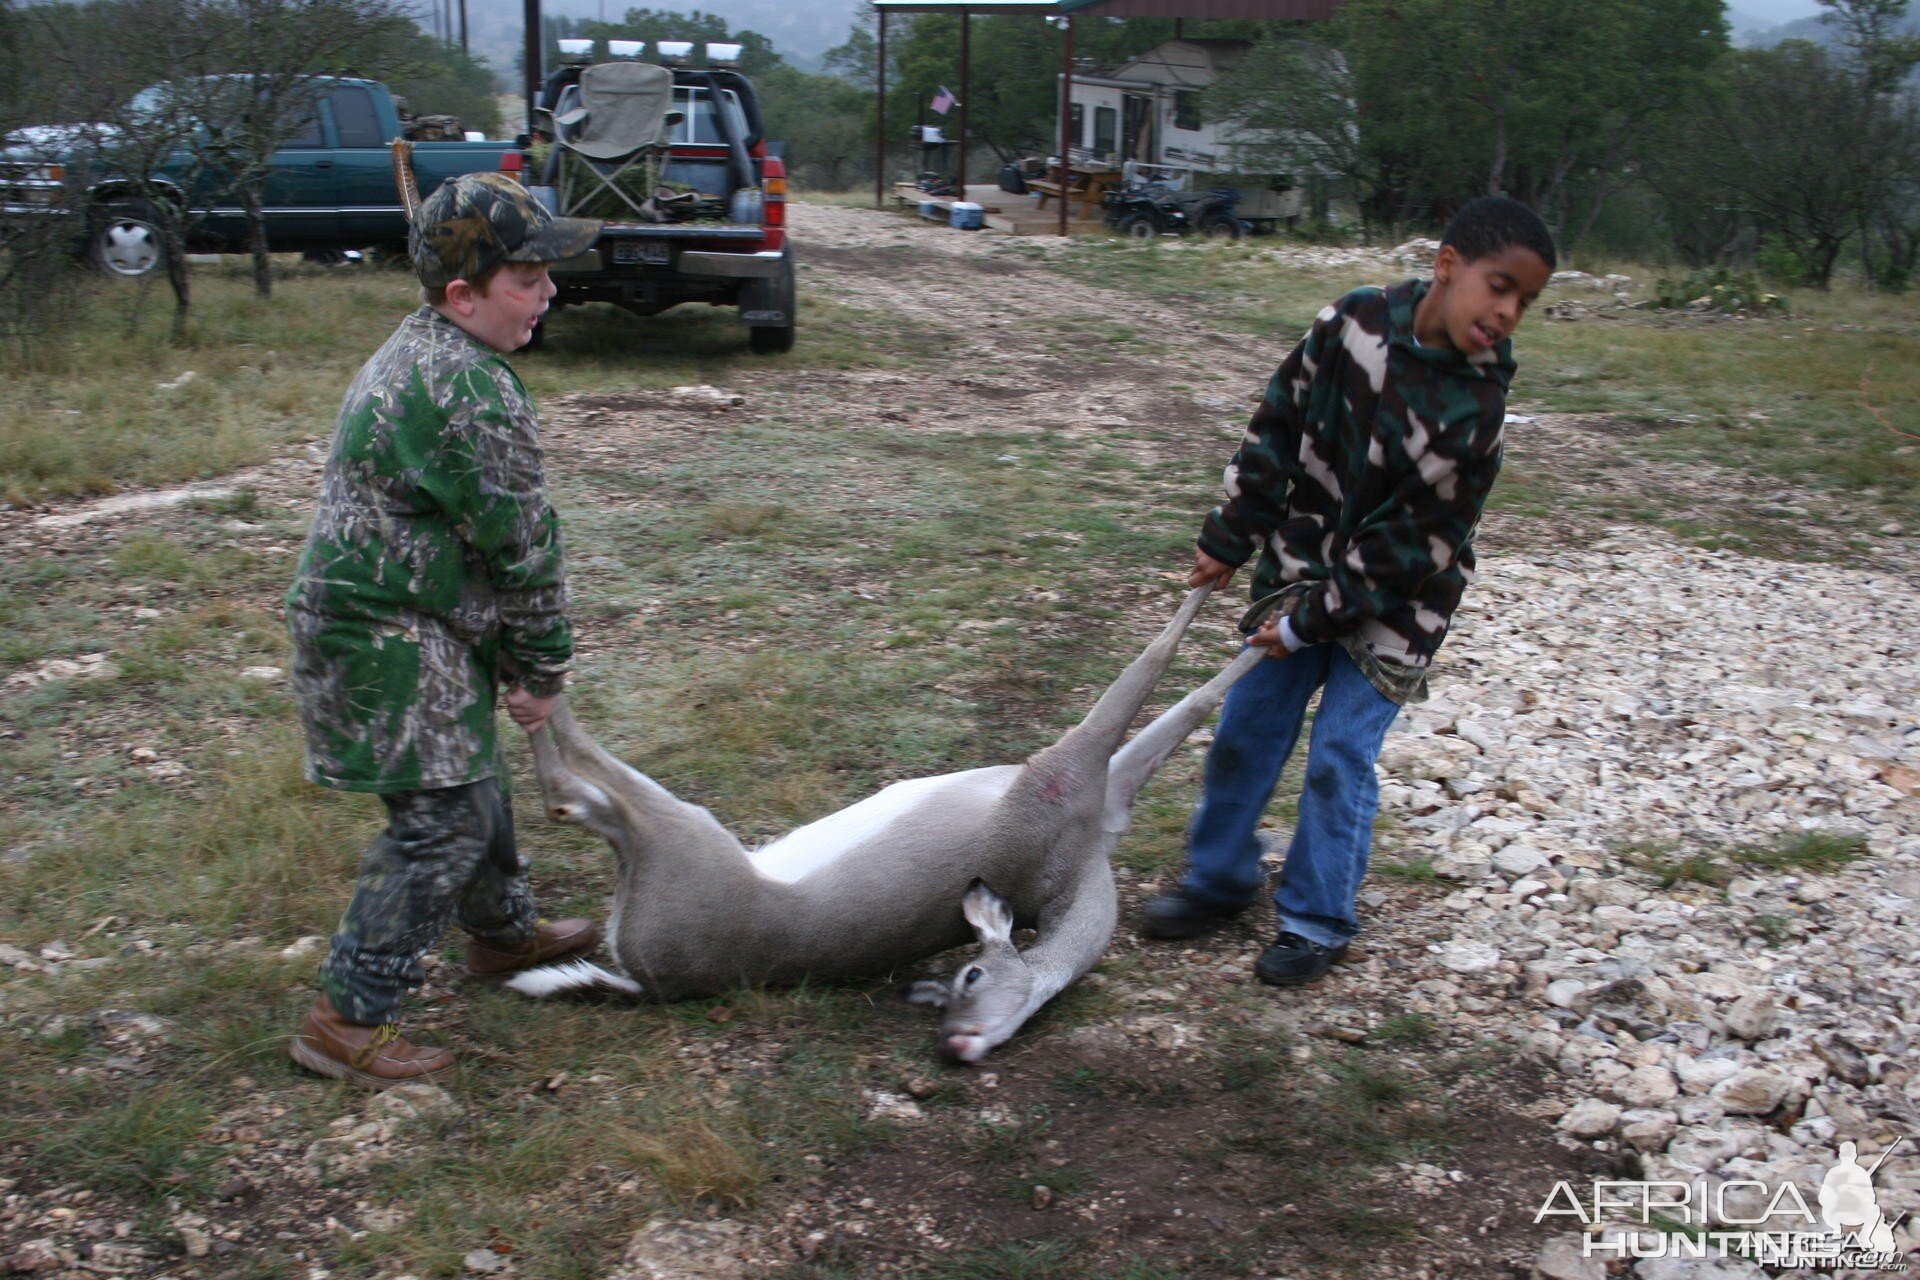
612	138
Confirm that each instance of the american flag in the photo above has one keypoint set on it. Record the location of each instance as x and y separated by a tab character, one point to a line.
943	101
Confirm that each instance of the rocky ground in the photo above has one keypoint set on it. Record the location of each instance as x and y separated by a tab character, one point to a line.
1659	835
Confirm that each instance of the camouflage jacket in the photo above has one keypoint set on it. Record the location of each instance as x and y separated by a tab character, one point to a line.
433	567
1361	476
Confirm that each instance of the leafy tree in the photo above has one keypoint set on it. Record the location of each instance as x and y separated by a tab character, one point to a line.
89	53
220	85
271	52
1872	32
1809	150
1419	105
432	77
1882	57
1780	142
37	278
822	120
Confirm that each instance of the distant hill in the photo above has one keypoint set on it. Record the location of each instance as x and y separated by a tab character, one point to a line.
801	33
1815	30
1745	25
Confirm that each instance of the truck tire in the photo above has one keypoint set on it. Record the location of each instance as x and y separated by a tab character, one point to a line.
776	294
770	340
125	240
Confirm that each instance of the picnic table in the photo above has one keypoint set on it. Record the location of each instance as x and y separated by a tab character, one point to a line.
1085	184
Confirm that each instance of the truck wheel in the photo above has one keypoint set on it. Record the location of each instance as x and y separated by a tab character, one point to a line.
770	340
125	240
776	295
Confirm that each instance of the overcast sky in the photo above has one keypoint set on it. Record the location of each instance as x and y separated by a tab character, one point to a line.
1777	10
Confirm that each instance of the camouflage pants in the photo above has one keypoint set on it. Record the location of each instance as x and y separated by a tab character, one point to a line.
447	854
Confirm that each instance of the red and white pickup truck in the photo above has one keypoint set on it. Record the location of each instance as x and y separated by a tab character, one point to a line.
730	249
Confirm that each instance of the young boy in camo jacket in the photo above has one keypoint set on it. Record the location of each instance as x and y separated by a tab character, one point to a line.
1361	478
433	574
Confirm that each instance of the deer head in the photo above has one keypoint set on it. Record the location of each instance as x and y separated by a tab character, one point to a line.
989	996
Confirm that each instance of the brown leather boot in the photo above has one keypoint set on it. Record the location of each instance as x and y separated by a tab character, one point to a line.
551	940
377	1057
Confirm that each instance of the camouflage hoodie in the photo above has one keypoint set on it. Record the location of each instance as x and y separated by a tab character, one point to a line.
434	565
1362	476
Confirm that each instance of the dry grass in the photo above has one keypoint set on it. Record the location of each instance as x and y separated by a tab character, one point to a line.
702	1160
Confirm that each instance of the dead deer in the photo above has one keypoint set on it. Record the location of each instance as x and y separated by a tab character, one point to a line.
897	877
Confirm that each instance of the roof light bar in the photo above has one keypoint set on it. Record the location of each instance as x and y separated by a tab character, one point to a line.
575	48
674	50
626	48
724	55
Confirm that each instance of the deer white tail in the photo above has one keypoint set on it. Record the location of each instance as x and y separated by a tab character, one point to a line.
579	975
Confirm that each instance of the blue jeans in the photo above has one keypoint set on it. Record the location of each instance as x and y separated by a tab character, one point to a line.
1259	725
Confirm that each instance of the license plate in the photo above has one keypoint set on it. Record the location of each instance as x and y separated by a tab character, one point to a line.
651	252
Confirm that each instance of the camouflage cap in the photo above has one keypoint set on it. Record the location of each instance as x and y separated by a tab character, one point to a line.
477	220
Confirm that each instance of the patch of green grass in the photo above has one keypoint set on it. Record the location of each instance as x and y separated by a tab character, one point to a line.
140	1142
264	852
1800	399
1380	1111
500	1180
1669	868
1016	1260
1250	1061
1410	1029
166	560
1418	869
1819	852
269	372
1010	1143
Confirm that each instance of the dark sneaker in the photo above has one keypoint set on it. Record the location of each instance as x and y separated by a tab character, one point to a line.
1179	915
1292	961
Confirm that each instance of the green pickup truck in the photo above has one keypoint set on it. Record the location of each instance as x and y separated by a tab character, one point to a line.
330	186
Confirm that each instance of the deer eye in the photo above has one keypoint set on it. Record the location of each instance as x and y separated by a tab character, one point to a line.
973	975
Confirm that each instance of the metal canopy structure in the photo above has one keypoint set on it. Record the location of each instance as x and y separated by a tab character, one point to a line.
1064	12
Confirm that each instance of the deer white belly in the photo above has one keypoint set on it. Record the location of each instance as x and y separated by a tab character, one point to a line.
799	854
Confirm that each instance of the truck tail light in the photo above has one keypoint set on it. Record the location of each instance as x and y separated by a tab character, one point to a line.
773	188
512	162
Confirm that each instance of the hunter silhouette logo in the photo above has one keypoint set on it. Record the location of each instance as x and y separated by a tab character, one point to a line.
1848	1204
1769	1224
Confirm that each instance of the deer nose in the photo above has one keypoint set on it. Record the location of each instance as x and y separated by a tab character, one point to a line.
962	1046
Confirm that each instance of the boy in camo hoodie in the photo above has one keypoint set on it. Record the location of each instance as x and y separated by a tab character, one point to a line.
1361	477
432	575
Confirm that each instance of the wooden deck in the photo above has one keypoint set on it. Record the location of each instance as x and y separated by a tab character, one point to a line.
1004	211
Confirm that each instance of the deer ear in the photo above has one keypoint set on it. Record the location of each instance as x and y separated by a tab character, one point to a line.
929	991
988	913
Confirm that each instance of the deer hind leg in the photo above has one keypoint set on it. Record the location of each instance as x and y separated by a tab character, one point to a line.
1136	762
1085	748
586	784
